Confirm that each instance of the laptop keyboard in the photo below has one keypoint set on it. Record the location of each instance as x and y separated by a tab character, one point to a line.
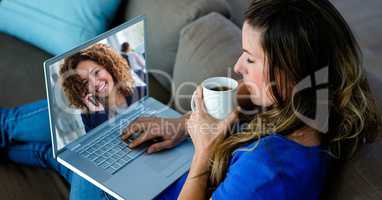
109	152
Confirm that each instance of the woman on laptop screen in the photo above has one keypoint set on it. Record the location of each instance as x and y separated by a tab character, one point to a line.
98	80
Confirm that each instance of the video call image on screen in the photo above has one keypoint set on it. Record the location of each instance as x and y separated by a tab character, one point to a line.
98	82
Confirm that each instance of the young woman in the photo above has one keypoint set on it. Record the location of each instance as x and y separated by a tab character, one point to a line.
279	154
98	81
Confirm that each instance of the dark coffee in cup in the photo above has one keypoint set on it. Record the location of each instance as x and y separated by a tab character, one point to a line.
220	88
219	96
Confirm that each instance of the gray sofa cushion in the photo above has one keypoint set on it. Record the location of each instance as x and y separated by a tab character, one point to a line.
365	19
21	72
238	8
373	66
208	47
165	19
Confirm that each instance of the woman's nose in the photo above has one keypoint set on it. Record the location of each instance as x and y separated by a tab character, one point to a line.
238	67
96	83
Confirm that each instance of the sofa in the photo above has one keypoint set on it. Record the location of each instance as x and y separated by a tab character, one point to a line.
190	40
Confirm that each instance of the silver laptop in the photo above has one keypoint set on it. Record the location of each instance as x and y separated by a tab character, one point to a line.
89	109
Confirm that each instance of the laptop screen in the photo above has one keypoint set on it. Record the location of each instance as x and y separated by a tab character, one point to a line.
97	81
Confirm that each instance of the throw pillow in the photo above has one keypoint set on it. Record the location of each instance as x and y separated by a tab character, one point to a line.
208	47
56	26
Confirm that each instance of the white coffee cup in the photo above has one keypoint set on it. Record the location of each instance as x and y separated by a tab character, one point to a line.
219	94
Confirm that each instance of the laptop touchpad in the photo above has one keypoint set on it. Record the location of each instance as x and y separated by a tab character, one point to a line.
168	161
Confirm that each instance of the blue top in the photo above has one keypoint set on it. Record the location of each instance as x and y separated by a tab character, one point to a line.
277	168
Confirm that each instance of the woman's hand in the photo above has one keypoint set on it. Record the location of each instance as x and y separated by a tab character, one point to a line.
204	129
92	104
170	132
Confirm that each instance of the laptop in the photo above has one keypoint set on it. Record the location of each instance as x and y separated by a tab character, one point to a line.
87	120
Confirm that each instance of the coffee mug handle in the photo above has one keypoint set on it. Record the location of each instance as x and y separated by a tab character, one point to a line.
193	105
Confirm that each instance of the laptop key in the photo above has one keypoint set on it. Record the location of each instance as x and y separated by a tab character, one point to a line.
135	153
92	149
113	151
110	170
92	157
104	149
105	165
108	139
115	141
85	154
99	160
122	162
80	150
99	145
116	165
126	159
99	152
107	154
123	146
118	155
112	160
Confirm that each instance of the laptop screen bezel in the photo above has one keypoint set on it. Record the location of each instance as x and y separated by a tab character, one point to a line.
48	65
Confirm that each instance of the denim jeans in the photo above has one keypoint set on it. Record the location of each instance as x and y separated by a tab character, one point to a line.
25	137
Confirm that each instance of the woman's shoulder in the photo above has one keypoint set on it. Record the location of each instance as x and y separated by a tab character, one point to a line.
279	154
276	144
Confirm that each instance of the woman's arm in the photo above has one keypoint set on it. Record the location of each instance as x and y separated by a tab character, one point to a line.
195	186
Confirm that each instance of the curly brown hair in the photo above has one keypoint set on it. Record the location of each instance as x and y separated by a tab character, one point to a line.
103	55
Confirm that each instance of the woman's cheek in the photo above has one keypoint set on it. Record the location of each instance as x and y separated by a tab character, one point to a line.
257	86
254	81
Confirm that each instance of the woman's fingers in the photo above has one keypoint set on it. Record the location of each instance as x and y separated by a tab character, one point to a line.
160	146
86	100
93	105
137	126
199	100
146	136
130	130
